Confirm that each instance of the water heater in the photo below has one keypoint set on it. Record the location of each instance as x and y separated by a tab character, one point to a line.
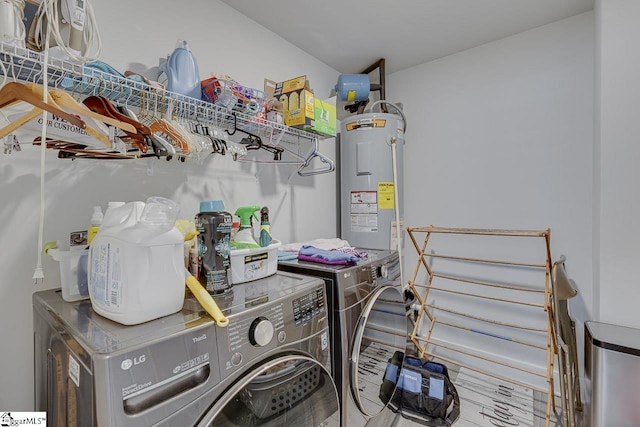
370	197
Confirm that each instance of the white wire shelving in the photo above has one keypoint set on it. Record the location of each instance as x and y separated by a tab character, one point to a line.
298	146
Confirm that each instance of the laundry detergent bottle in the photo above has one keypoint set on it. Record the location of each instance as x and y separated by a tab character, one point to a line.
182	72
214	227
136	262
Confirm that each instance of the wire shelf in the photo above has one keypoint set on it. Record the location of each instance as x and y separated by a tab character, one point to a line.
26	65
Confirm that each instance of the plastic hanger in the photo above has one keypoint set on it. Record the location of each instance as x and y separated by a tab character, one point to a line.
324	159
254	142
13	92
161	147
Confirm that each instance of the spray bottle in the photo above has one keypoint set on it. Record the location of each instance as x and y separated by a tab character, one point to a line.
244	237
265	227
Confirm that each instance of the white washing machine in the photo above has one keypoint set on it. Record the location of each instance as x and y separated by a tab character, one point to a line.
271	364
368	324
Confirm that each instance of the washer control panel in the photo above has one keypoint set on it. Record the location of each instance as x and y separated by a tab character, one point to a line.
272	324
308	306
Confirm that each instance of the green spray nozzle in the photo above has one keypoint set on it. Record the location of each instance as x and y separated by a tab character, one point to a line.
245	213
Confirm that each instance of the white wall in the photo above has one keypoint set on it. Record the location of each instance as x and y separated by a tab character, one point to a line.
135	35
618	128
501	136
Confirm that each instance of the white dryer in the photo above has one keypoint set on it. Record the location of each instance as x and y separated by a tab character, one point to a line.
272	363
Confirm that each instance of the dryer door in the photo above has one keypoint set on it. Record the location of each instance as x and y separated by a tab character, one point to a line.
290	390
381	331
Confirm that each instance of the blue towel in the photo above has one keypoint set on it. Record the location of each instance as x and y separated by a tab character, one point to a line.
286	256
313	254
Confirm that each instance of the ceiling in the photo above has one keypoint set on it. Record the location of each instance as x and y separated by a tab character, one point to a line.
351	35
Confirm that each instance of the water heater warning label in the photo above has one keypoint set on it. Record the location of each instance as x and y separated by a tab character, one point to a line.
364	211
364	198
386	191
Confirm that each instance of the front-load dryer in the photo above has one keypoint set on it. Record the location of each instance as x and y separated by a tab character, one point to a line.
368	325
272	363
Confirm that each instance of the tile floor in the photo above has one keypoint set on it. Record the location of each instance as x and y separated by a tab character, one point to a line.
389	419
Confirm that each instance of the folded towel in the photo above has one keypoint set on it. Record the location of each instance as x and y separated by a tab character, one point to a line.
327	244
286	256
313	254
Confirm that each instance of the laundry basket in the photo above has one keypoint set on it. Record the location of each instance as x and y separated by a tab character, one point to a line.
272	393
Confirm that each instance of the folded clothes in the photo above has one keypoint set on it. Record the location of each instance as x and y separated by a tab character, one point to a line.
353	251
286	256
327	244
323	256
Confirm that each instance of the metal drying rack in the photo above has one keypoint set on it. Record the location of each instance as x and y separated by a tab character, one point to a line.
298	147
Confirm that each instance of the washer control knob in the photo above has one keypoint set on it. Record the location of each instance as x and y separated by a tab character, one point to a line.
261	332
236	359
383	271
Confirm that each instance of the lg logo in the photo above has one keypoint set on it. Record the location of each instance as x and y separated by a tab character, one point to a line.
128	363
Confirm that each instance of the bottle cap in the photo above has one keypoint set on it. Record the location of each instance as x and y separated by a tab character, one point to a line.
212	206
97	216
114	204
159	213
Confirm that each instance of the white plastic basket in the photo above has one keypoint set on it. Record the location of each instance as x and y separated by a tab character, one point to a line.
254	264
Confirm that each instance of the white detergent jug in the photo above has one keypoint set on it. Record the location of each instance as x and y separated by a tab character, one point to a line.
136	262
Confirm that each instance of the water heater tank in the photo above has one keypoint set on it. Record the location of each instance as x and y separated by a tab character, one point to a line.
367	199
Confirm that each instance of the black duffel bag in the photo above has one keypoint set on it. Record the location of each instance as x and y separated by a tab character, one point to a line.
423	391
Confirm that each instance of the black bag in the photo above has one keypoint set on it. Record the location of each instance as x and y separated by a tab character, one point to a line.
423	391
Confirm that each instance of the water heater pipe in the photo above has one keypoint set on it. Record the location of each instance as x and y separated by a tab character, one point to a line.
395	181
397	207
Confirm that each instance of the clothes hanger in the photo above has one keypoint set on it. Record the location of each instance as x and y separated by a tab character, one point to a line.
161	147
63	99
100	136
13	92
73	150
163	126
35	112
324	159
103	106
254	142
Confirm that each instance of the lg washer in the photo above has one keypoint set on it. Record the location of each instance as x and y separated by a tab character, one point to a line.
271	364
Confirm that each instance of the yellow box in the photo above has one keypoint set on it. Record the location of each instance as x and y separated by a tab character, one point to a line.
298	101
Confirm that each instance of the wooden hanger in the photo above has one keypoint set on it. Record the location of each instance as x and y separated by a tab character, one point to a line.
103	106
100	136
63	99
73	150
13	92
35	112
163	126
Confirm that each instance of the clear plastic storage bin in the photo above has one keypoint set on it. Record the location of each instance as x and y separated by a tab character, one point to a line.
73	273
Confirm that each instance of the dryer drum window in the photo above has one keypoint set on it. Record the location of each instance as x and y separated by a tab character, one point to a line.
292	389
